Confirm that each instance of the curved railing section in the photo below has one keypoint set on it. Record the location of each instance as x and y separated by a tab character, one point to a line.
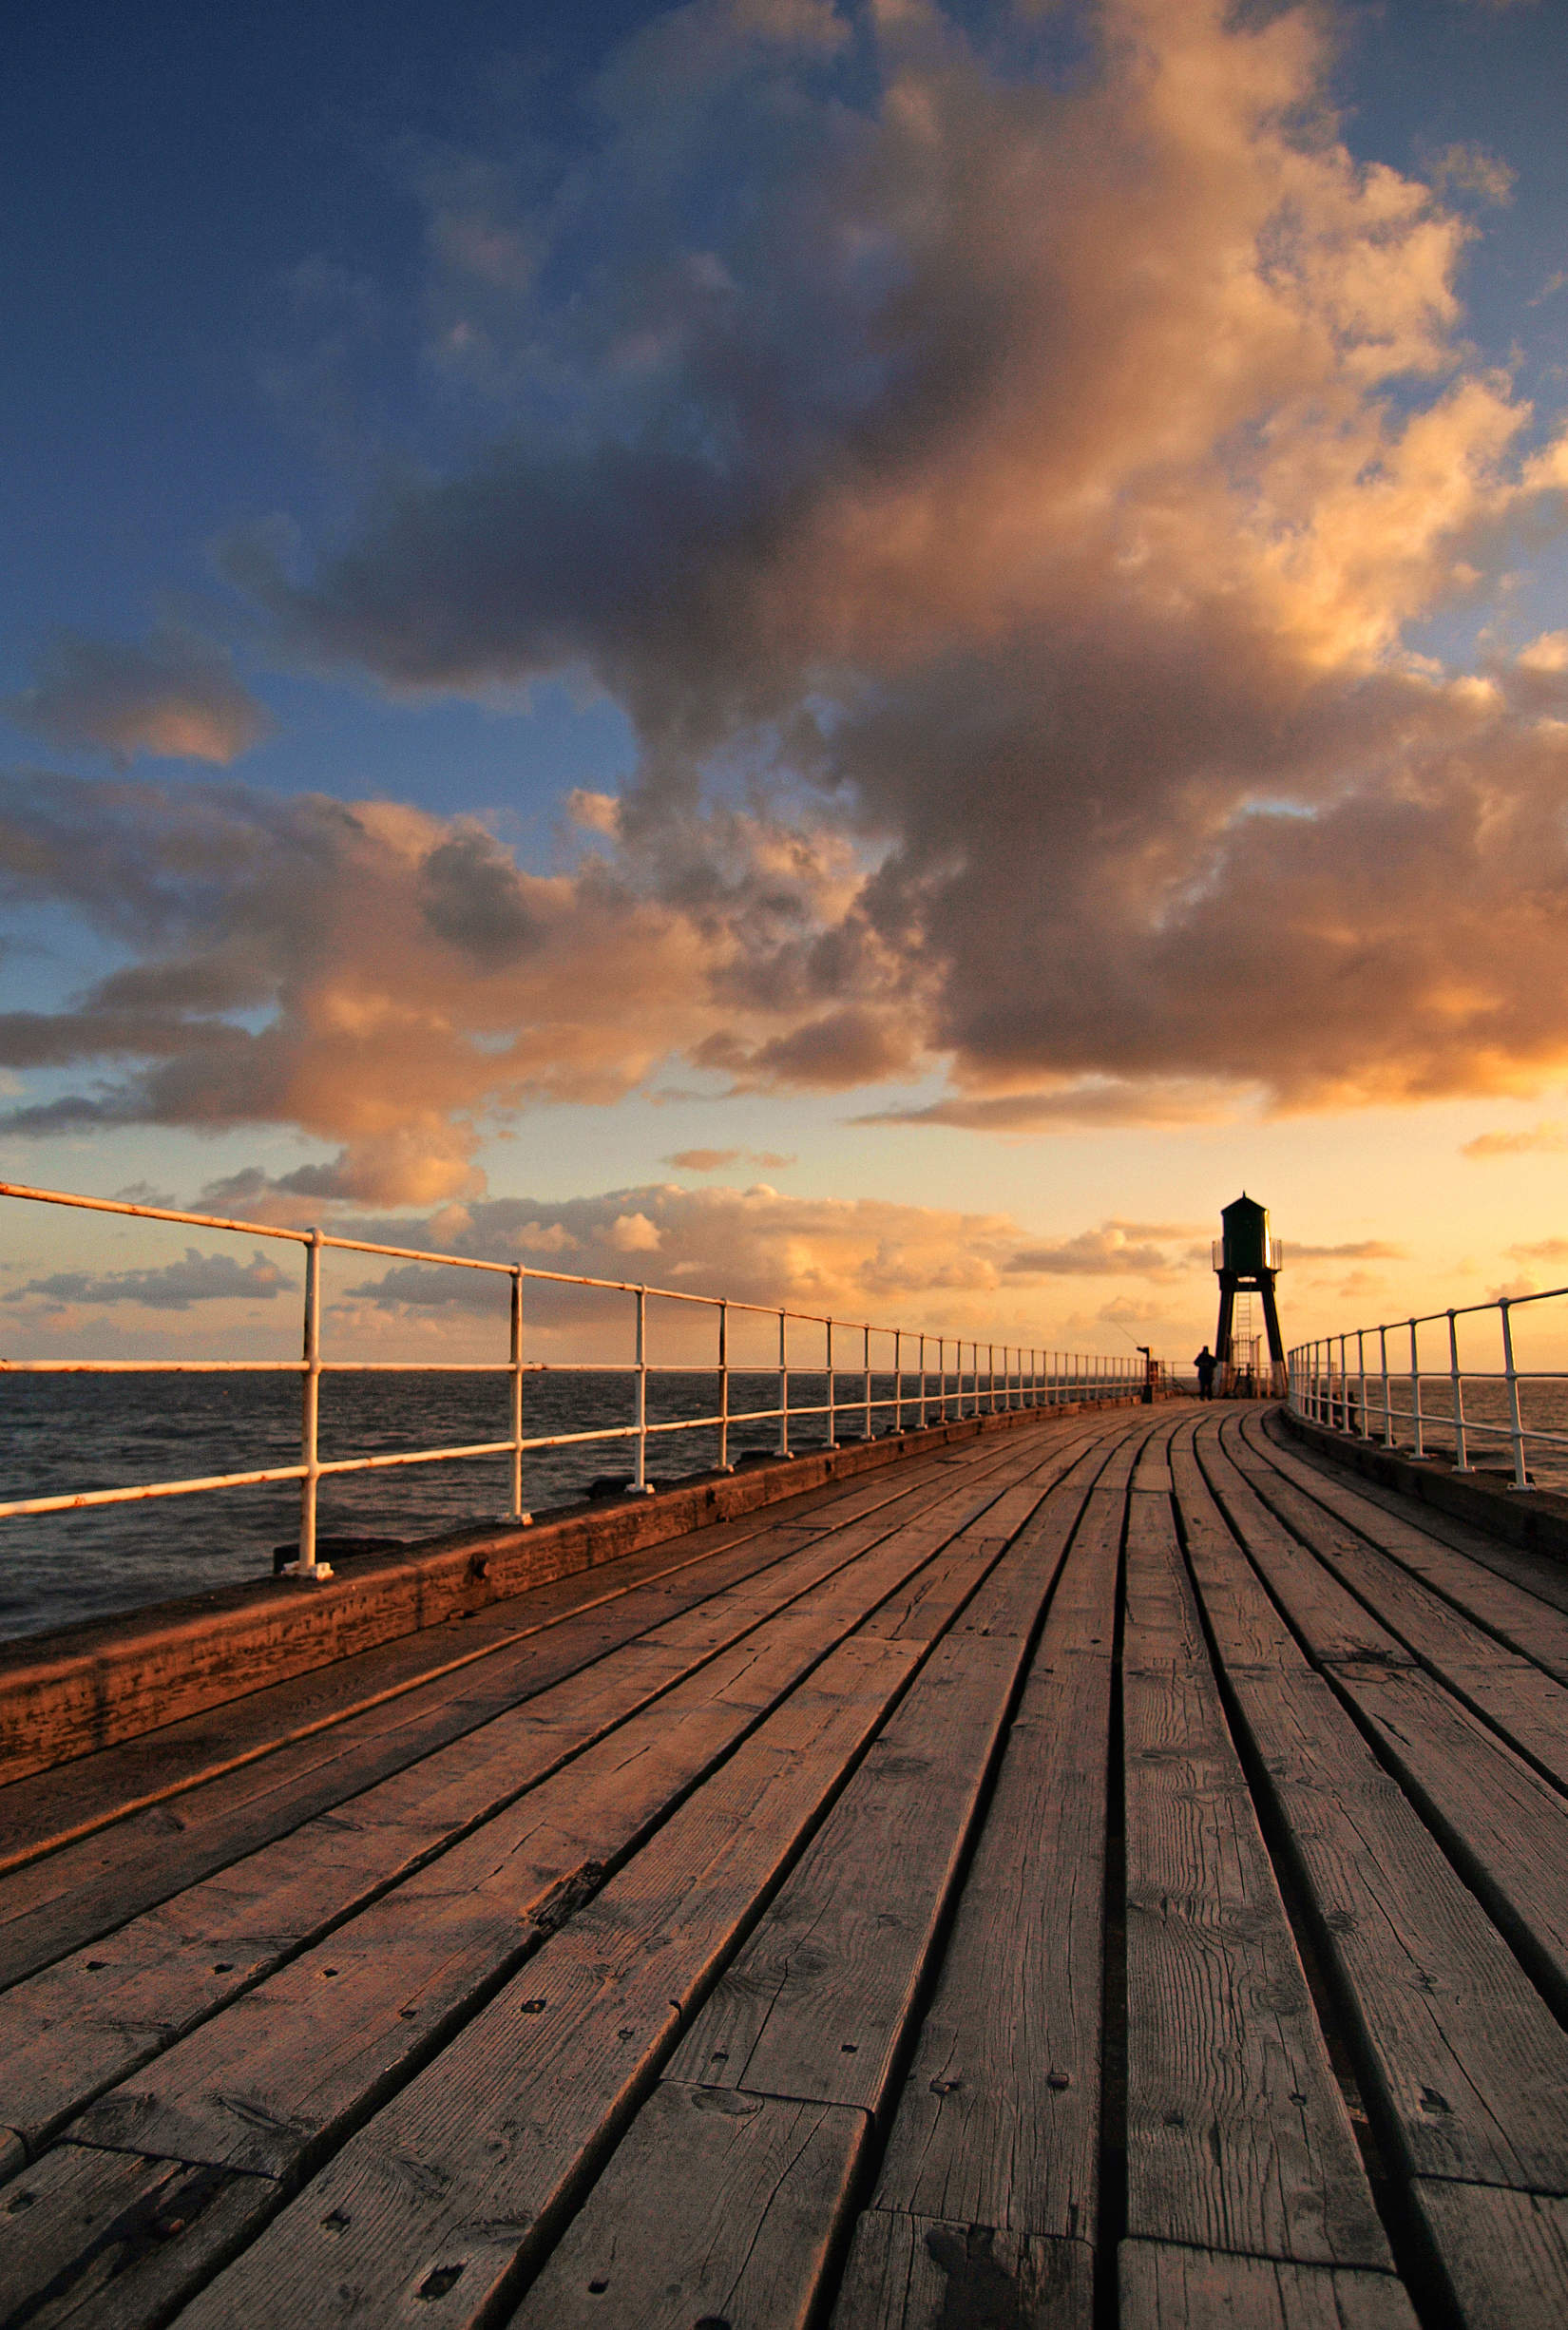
931	1381
1448	1384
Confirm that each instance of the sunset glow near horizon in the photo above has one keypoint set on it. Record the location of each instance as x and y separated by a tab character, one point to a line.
864	655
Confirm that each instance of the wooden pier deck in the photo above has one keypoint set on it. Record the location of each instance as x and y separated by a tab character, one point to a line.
1108	1873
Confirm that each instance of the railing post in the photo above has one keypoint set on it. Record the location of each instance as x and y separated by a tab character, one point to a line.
724	1464
866	1354
1361	1372
898	1378
515	1387
310	1417
990	1373
833	1420
1343	1389
942	1375
640	1485
1415	1392
783	1383
1387	1409
923	1382
1515	1423
1461	1463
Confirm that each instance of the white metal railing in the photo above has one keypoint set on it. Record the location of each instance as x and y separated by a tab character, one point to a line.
1448	1409
1027	1377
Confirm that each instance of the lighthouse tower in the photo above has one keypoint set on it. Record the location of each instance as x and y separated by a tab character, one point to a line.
1247	1260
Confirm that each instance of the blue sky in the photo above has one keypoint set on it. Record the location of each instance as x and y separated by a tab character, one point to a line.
832	643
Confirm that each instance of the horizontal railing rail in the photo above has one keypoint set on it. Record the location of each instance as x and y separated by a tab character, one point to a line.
1355	1384
1028	1377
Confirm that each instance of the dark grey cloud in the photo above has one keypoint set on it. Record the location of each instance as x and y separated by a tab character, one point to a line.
174	695
174	1286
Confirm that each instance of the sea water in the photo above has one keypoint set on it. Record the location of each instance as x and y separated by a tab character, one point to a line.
63	1434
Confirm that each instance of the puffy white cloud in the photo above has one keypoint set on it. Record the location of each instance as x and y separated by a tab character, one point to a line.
633	1234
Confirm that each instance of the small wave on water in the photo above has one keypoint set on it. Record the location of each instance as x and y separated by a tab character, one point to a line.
65	1434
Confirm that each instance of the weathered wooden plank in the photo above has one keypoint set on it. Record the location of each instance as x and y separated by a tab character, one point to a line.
917	2273
326	2023
96	2017
1080	1600
1247	1624
1506	2254
1011	1605
1237	2137
937	1593
464	2178
296	2058
1335	1625
1504	1825
1527	1704
82	1891
815	2004
1428	1541
715	2207
1470	2067
998	2124
103	2241
85	1890
1168	2288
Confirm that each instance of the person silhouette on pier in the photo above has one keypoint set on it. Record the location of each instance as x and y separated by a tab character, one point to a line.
1205	1363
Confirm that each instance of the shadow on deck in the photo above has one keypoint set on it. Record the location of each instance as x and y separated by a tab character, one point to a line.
1112	1872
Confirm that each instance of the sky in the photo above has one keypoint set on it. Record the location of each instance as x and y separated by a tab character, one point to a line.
866	654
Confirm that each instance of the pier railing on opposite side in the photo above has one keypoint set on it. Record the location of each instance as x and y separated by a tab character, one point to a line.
1371	1388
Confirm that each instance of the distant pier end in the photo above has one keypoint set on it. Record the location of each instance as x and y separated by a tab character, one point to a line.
1247	1260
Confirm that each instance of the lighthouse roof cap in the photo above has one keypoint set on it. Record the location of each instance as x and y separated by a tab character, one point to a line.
1243	1205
